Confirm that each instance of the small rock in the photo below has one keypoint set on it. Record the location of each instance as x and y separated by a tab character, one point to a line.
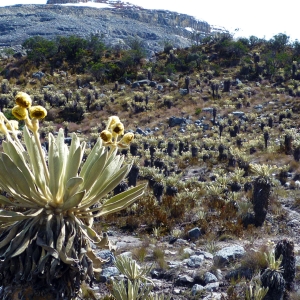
209	278
38	75
212	287
107	273
228	254
195	261
194	233
239	114
206	255
140	131
293	223
153	83
183	92
188	251
127	254
207	109
180	242
135	85
174	121
197	288
176	291
168	252
174	264
215	296
184	280
143	81
160	87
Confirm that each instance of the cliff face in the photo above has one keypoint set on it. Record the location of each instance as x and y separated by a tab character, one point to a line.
117	24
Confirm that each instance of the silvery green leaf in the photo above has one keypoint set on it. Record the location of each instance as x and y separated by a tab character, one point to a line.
111	156
16	175
121	200
54	167
73	201
72	187
97	150
75	143
62	152
106	174
73	163
104	188
35	163
17	157
94	172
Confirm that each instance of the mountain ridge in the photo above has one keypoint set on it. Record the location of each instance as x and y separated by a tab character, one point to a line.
117	24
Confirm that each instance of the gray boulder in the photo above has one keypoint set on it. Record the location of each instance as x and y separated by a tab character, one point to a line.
108	272
159	87
153	83
194	233
195	261
141	131
184	280
197	288
175	121
144	81
209	278
228	254
183	92
135	85
212	287
38	75
239	114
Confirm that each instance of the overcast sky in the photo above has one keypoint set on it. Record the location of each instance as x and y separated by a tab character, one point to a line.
262	18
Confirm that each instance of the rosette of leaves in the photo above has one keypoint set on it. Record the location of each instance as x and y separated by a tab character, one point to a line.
48	216
272	278
261	191
134	286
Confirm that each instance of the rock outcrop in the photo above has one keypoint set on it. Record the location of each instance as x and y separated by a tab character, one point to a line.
117	24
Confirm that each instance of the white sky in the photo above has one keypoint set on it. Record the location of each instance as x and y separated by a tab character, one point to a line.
262	18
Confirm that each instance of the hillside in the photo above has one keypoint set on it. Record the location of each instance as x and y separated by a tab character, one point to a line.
216	137
117	25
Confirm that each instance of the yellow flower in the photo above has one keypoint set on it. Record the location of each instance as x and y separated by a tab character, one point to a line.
23	100
37	112
112	121
106	136
12	124
127	138
19	112
117	128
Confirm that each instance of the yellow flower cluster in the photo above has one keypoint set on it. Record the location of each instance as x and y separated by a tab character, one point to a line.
113	131
23	105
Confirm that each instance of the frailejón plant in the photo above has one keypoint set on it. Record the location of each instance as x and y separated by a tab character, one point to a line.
52	201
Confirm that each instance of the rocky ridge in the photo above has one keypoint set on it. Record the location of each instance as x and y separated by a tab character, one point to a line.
116	24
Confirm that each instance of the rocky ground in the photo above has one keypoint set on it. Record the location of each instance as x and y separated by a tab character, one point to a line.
195	268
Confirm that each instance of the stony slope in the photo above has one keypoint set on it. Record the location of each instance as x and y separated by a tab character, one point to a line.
155	27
